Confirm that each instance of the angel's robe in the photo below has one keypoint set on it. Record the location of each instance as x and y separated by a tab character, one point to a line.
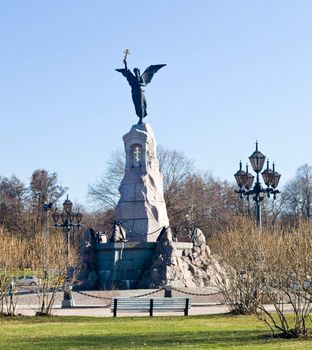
137	93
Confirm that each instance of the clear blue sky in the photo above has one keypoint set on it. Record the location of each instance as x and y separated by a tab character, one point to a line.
236	71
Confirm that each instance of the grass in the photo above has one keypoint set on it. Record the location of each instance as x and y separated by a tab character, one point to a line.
194	332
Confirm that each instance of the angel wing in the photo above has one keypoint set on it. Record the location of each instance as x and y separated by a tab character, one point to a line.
150	71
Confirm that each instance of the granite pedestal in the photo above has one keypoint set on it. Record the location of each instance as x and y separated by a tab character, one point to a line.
141	207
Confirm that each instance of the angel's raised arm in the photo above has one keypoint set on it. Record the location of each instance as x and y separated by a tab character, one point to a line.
125	62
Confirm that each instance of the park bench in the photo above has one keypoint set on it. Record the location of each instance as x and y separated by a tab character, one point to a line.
149	305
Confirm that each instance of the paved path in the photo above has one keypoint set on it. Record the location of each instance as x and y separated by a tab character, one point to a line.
97	303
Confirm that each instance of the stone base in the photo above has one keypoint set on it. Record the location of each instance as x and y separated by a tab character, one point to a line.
196	267
66	303
121	265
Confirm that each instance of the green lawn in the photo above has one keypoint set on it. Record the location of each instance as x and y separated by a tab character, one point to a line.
194	332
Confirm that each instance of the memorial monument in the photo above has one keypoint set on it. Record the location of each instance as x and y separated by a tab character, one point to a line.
141	252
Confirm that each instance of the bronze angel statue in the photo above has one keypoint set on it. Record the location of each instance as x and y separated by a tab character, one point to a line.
136	81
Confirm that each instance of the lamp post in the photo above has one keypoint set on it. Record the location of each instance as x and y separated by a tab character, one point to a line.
245	181
70	220
46	207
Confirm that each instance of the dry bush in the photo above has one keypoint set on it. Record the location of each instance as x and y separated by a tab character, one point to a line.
287	280
239	249
12	250
268	267
49	260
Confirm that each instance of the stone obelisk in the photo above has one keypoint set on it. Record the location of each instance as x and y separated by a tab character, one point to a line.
141	208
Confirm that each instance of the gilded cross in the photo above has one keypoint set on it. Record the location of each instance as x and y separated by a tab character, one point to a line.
126	52
137	153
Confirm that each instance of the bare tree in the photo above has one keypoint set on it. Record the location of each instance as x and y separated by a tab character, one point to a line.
104	193
205	202
43	189
21	207
297	195
175	168
13	197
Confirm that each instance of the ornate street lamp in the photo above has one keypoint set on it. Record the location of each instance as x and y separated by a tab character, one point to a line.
70	220
245	181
